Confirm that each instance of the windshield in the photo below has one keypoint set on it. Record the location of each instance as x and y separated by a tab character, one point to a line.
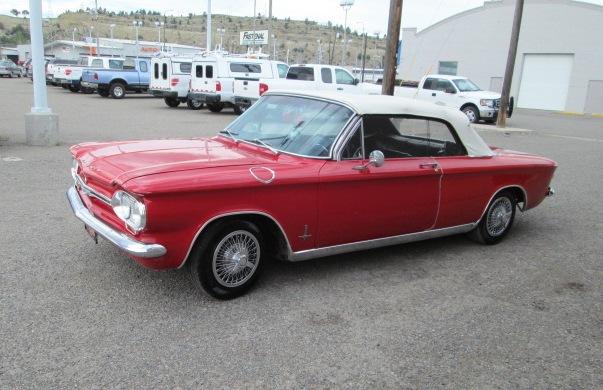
466	85
297	125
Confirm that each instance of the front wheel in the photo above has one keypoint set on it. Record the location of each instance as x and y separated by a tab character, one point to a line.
194	104
228	259
497	221
472	113
171	102
215	107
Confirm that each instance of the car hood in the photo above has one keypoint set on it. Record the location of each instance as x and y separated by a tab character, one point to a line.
118	162
480	94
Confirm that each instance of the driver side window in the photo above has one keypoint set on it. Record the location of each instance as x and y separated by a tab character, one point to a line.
402	137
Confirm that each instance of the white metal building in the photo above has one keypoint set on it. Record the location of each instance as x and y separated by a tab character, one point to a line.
559	62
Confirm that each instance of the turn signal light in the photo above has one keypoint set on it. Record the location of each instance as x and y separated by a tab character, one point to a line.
263	88
218	86
174	81
95	76
67	72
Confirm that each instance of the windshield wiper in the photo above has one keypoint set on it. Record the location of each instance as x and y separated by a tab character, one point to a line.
292	134
269	147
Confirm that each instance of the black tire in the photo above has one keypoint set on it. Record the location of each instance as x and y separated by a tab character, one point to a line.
117	90
74	88
103	92
171	102
87	91
205	274
505	203
239	109
194	104
472	113
215	107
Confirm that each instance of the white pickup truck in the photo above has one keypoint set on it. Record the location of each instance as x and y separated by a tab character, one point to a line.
456	92
71	75
318	77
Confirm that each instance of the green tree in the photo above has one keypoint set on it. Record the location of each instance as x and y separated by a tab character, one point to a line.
15	12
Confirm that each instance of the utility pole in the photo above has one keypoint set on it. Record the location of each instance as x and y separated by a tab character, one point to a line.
391	47
346	5
208	27
363	58
254	16
270	35
506	89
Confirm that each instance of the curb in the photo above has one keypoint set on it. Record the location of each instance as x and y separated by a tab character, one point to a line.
572	113
504	130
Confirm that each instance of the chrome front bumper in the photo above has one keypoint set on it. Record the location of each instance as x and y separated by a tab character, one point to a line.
119	239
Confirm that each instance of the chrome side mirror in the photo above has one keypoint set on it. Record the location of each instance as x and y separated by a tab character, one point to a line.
376	158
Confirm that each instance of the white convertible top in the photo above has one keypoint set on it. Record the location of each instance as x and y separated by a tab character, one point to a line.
395	105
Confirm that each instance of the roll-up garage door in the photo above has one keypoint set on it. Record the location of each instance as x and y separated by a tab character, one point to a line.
545	80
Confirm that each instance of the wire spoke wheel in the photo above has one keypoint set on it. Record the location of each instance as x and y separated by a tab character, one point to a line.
236	258
499	216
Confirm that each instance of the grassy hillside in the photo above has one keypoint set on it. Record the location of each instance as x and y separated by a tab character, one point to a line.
300	37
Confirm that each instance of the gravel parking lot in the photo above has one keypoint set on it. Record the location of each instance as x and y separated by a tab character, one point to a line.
445	313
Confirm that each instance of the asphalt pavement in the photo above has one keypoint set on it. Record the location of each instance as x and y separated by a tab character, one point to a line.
444	313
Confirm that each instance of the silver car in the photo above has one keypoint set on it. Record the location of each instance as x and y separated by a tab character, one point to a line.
9	69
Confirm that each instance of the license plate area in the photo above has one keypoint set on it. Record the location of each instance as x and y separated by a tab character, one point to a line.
92	233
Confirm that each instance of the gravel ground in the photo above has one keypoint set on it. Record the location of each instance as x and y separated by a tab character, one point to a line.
445	313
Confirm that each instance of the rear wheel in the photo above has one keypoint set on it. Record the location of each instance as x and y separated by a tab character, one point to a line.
215	107
171	102
117	90
194	104
238	109
472	113
103	92
228	259
497	220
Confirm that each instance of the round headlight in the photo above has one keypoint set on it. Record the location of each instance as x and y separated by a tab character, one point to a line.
130	210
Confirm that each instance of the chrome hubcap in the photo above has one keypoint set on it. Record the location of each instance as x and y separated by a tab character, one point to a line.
118	91
471	115
236	258
499	216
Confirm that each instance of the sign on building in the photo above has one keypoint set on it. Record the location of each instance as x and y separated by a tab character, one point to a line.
259	37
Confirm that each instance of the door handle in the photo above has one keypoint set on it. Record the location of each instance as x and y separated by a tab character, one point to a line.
433	94
429	165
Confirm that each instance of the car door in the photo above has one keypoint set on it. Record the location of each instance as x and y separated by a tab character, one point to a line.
359	202
143	73
326	79
345	81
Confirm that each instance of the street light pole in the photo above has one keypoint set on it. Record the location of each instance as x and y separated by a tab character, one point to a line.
41	125
112	26
506	89
346	5
208	27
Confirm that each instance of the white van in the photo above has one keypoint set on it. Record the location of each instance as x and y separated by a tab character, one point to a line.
213	76
170	79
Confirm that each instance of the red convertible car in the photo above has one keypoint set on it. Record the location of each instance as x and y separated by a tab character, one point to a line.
301	176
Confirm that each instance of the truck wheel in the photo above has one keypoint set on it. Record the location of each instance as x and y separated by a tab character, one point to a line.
117	90
103	92
472	113
171	102
74	88
215	107
228	259
238	109
194	104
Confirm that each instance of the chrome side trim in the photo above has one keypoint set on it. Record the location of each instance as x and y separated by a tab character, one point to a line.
88	190
379	242
190	248
117	238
